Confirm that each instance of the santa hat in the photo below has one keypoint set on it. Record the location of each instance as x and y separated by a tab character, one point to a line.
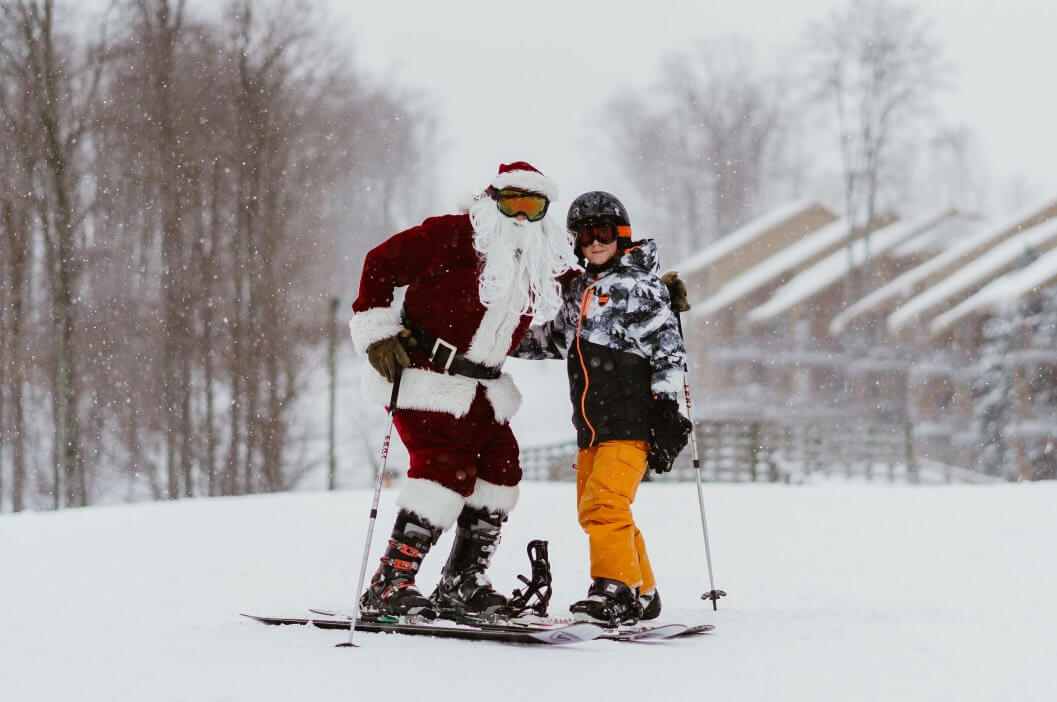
524	176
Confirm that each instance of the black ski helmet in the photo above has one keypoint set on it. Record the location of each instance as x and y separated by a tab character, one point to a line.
597	205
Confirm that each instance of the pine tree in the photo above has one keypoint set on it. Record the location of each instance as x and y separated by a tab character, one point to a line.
992	394
1040	321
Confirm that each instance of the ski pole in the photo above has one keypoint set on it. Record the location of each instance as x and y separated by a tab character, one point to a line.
374	509
713	594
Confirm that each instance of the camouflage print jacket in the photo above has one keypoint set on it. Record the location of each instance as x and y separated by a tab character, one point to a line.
622	342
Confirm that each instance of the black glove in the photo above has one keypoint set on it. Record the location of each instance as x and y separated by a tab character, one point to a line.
385	354
676	291
668	436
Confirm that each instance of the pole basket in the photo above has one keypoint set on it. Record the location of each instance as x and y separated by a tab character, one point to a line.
713	595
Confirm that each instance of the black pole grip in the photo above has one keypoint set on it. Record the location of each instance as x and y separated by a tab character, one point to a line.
396	388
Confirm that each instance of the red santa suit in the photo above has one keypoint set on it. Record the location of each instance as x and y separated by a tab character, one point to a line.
455	427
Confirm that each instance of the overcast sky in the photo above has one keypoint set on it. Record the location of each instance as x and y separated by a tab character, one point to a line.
527	80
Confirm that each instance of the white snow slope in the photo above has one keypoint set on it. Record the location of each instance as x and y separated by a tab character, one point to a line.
837	592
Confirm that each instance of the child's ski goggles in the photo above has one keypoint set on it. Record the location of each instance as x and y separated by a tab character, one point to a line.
602	232
512	202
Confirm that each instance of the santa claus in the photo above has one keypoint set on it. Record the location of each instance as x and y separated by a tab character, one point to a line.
475	282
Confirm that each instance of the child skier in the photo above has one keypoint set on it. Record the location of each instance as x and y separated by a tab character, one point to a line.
625	356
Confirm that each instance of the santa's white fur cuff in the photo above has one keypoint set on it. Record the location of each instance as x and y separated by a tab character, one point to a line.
373	325
492	497
432	501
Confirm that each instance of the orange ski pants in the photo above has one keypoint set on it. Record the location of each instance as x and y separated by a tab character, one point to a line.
607	478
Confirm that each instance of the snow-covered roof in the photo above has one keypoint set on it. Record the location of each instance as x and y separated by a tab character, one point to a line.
743	235
974	275
773	268
940	237
835	266
1012	286
905	285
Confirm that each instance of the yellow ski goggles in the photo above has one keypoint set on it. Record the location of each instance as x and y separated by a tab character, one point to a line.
512	202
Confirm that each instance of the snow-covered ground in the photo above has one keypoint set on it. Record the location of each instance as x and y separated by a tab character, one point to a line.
837	592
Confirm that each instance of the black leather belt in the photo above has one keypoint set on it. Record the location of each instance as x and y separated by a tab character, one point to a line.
446	357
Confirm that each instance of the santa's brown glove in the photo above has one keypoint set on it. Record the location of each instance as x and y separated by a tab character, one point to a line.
386	354
676	291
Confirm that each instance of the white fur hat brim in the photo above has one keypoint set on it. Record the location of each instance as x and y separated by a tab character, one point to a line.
527	180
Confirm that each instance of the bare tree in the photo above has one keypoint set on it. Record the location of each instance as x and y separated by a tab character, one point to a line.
159	29
878	67
17	164
183	213
955	168
15	258
61	82
705	153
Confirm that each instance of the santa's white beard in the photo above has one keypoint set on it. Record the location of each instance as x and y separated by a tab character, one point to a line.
521	260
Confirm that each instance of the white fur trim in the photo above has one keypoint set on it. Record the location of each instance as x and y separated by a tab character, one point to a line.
422	389
527	180
431	501
492	497
464	202
495	333
373	325
504	396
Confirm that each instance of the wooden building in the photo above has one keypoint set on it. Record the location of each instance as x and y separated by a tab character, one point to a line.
876	306
737	360
771	334
716	266
1029	356
809	363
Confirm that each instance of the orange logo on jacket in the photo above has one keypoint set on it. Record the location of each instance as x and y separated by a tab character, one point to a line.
602	300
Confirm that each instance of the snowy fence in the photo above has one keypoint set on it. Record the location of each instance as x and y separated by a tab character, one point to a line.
551	462
751	451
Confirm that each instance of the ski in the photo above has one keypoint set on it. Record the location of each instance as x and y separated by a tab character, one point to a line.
634	634
653	632
644	633
515	624
566	634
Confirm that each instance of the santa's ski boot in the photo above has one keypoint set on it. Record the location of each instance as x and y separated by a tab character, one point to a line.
464	588
610	603
650	604
392	590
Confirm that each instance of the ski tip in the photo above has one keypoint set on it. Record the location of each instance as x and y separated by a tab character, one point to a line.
645	633
573	633
328	612
346	644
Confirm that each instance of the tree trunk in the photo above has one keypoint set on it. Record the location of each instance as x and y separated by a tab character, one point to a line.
208	268
162	29
16	237
64	275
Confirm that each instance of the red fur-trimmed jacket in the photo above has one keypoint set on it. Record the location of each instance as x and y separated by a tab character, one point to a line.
440	267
